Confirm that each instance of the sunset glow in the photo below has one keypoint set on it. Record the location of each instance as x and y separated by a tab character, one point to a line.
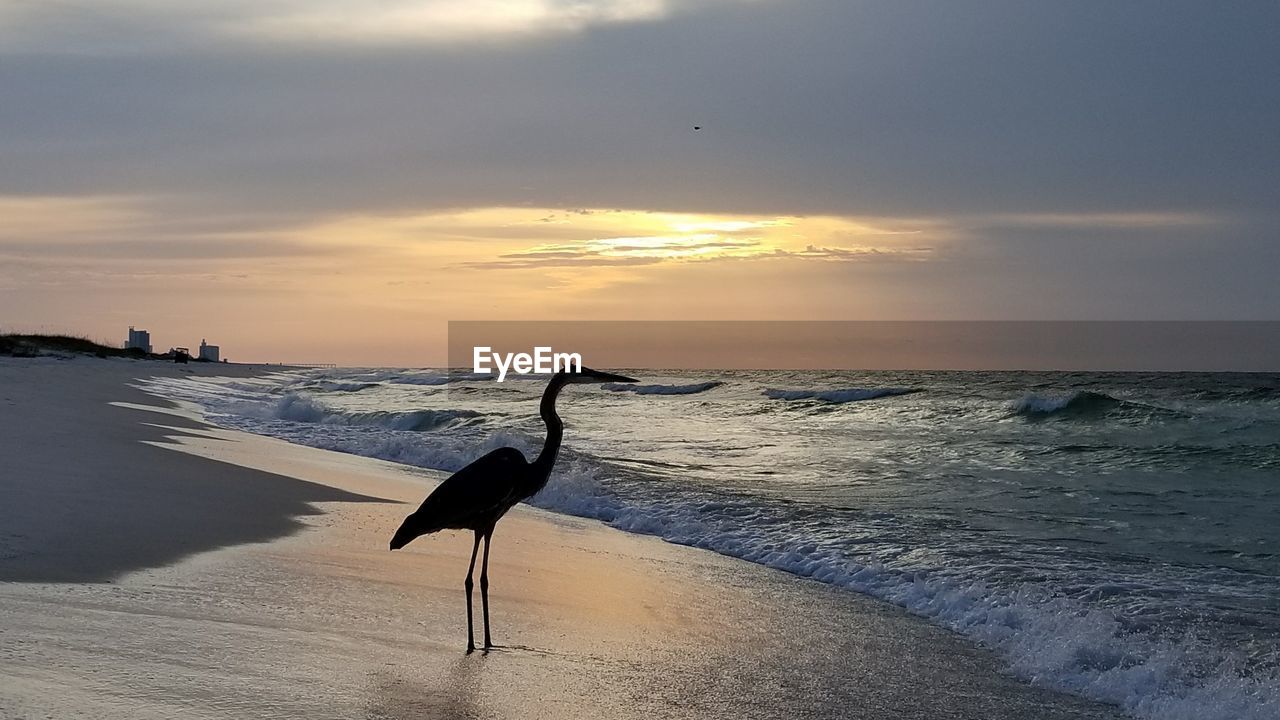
336	180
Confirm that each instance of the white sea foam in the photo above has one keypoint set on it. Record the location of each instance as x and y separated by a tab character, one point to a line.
1041	404
303	408
1082	400
1084	404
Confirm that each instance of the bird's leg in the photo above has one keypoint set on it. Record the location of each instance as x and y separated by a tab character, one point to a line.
471	643
484	589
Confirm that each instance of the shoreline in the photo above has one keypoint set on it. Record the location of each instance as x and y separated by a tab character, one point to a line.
287	601
74	457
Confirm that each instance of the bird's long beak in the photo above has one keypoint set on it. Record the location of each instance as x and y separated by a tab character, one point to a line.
594	376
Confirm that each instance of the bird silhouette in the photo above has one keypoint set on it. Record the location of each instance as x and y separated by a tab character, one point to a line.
478	495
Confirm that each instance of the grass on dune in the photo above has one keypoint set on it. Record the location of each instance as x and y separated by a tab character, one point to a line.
17	345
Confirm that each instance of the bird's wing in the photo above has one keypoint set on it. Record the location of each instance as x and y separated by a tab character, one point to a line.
475	491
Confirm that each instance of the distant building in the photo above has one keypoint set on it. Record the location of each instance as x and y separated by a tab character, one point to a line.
208	352
139	339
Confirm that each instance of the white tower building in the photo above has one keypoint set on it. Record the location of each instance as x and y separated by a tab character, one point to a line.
208	352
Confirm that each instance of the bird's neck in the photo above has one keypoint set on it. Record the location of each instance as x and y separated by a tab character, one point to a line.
555	430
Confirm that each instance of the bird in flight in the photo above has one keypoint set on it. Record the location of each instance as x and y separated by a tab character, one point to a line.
478	495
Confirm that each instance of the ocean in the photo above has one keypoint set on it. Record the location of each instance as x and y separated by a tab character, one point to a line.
1113	535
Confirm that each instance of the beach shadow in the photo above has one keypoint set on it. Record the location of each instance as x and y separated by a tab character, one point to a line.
517	650
93	496
452	696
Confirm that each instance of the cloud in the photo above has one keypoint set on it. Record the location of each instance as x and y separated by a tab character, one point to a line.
1115	161
859	254
710	239
133	26
160	249
1099	221
584	259
401	21
51	218
125	228
806	107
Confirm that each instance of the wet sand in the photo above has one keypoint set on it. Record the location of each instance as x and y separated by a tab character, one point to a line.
154	566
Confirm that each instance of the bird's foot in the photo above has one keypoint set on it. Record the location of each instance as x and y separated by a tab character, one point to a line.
471	647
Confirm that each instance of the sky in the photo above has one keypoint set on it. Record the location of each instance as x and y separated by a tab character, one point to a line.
334	181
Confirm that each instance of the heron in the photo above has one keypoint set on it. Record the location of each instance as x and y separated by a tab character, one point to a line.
477	496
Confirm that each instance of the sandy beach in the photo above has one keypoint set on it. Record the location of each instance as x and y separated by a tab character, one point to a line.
155	566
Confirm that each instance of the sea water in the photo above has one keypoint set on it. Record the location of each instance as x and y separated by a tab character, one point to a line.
1115	535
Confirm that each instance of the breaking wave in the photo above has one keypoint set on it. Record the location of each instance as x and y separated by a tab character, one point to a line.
419	379
837	396
302	408
663	389
1083	404
325	386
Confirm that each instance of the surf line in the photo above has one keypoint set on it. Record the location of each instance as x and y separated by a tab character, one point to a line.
543	361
